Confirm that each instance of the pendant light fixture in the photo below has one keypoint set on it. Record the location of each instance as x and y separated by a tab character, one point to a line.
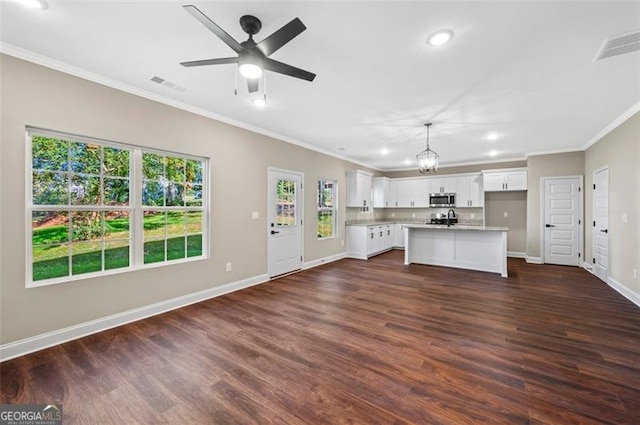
428	159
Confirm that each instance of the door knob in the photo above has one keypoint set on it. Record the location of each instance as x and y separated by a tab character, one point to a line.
273	232
604	230
549	225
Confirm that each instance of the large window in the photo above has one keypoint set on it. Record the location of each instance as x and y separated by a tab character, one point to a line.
97	207
326	208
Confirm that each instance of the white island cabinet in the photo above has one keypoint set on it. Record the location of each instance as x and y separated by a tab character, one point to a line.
465	247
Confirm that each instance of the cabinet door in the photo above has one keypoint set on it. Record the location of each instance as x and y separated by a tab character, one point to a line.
380	192
405	193
364	189
389	236
393	193
476	191
493	182
434	185
516	180
463	193
420	193
448	185
371	240
399	236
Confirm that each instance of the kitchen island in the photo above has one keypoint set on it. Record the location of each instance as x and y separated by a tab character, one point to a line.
481	248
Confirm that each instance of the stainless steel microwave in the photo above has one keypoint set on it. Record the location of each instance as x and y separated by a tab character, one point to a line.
443	200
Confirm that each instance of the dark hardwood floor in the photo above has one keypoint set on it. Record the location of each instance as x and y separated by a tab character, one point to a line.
356	342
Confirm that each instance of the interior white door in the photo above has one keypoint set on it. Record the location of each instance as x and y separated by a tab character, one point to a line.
284	222
562	212
601	223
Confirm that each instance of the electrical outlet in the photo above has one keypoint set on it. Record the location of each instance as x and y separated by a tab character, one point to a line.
506	213
635	274
393	215
342	242
413	215
255	215
472	216
625	218
228	267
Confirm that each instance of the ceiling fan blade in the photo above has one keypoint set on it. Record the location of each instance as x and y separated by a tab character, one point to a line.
281	37
204	62
213	27
292	71
253	85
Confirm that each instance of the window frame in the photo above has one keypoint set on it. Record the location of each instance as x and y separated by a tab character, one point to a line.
135	208
333	209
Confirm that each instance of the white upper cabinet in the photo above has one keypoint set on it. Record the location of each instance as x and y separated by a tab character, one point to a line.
442	185
505	180
381	194
469	192
409	193
359	189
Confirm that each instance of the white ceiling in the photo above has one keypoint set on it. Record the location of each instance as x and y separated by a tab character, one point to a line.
522	69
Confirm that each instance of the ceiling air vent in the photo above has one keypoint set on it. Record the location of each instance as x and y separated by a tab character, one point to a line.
619	45
166	83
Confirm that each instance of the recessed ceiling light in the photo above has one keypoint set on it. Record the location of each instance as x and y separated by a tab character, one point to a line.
259	101
493	153
493	136
440	37
384	151
407	162
34	4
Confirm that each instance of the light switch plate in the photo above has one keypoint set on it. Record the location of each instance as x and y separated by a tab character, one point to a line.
255	215
506	213
625	218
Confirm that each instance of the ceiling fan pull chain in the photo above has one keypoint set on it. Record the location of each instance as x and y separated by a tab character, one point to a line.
235	91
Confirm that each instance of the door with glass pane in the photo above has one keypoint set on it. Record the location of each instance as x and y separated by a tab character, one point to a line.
284	222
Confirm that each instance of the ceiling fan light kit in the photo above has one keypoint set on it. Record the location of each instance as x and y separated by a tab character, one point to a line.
427	159
253	58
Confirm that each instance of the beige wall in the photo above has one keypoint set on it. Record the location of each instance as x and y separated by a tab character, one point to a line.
559	164
515	205
620	151
474	168
36	96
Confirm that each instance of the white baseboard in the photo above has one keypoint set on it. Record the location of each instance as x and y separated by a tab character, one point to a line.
325	260
588	267
632	296
533	260
516	254
39	342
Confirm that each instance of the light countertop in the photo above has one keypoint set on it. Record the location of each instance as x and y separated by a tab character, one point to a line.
457	227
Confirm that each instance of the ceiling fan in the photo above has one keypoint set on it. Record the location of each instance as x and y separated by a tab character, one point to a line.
253	57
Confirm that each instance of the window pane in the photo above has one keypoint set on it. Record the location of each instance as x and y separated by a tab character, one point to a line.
194	171
194	222
86	225
176	248
87	257
175	195
152	166
194	245
152	193
175	169
286	203
115	162
154	224
49	154
154	250
116	191
85	158
49	227
116	254
325	224
176	224
50	188
193	195
116	225
49	261
85	190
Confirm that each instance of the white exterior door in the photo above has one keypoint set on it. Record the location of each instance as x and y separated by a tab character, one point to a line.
562	215
601	224
284	222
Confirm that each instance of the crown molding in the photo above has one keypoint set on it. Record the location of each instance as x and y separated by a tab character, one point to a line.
461	164
48	62
612	126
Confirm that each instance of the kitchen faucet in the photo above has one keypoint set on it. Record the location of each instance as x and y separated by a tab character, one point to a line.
450	214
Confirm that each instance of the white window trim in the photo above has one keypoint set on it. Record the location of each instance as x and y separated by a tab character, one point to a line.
335	211
135	208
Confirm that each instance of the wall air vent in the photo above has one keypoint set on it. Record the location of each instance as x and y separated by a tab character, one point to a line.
166	83
619	45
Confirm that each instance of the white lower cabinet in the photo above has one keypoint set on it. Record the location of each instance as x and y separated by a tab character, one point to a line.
398	236
366	241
